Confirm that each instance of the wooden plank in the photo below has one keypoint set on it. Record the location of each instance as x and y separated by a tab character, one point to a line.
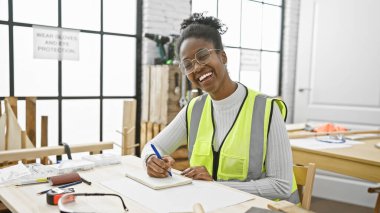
128	146
173	100
162	127
143	135
145	93
164	91
23	144
33	153
129	113
1	109
6	102
13	104
163	100
129	123
44	137
149	131
31	119
156	129
155	94
3	123
337	164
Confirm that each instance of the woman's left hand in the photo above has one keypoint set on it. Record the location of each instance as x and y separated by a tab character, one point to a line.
197	173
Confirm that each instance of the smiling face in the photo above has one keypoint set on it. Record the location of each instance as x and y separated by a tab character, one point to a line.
211	77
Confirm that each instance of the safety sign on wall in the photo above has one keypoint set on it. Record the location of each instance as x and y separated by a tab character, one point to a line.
55	43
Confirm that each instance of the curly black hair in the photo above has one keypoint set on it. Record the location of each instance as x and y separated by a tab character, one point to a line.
199	26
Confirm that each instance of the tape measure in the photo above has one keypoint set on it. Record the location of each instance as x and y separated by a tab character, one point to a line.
53	195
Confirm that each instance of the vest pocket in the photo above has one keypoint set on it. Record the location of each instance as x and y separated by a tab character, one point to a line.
231	167
201	148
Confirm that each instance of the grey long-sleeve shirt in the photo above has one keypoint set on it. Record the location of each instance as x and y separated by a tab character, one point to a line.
275	183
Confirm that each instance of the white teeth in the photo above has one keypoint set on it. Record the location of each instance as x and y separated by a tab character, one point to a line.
204	76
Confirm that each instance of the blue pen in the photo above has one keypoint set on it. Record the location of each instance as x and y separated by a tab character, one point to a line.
158	155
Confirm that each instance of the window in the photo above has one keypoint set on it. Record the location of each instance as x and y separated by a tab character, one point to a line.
82	99
252	41
4	60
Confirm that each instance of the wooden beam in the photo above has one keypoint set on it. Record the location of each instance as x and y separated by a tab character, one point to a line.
145	93
129	123
155	94
6	102
156	129
31	119
33	153
13	103
44	137
143	133
128	146
23	143
149	131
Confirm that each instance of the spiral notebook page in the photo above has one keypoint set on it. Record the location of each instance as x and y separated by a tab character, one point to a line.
140	175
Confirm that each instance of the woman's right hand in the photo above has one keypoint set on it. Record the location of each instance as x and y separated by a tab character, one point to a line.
157	167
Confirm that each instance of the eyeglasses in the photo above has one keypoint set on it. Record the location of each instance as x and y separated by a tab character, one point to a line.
332	139
202	57
76	202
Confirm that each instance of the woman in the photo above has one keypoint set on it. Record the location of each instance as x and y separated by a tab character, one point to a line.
235	135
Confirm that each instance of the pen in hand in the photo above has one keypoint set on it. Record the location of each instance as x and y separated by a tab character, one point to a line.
158	155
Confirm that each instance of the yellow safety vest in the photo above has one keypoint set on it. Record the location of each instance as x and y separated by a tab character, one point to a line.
245	142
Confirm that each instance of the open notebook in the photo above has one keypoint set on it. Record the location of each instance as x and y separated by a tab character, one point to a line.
140	175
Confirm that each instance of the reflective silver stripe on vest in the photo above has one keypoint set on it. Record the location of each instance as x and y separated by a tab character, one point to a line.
294	197
195	119
257	138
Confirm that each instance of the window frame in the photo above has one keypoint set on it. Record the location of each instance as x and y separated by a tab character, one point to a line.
138	77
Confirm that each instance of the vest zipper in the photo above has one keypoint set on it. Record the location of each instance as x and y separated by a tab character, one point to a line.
216	154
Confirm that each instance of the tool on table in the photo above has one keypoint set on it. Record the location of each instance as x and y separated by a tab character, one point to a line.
158	155
90	202
64	179
61	187
332	139
53	195
32	182
182	100
345	133
67	178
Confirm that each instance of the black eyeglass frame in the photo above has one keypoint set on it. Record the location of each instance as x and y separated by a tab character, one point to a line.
62	209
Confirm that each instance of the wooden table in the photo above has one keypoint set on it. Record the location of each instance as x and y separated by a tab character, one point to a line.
361	160
25	199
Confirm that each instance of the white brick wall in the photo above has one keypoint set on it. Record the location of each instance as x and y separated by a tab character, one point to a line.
161	17
289	59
